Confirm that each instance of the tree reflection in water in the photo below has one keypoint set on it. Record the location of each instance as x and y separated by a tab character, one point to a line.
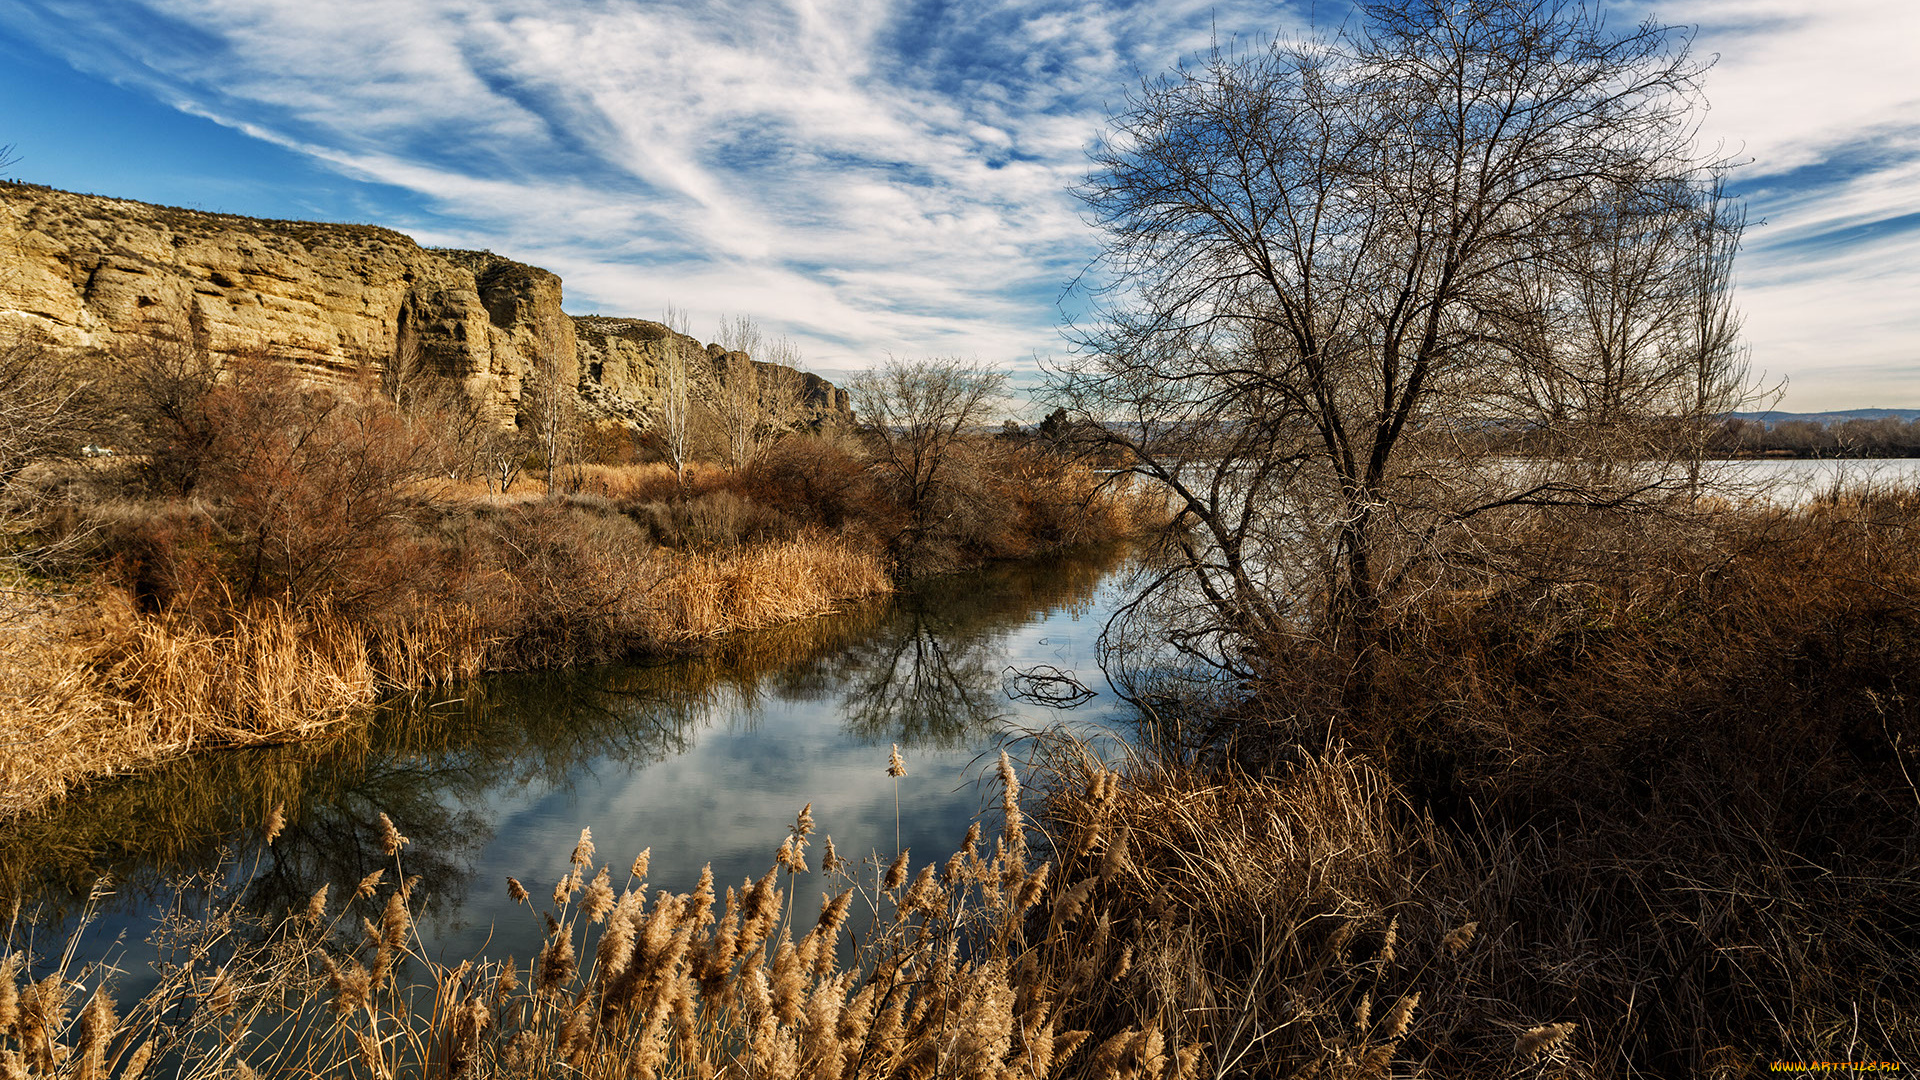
923	669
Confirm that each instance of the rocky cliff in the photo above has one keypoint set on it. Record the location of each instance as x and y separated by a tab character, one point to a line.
620	374
93	273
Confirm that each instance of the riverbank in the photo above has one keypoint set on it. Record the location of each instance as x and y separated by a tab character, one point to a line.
175	647
1666	829
1671	780
96	687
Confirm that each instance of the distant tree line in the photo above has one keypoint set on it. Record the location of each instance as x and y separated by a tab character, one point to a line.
1887	437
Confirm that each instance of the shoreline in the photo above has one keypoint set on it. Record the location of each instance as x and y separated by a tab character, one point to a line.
80	673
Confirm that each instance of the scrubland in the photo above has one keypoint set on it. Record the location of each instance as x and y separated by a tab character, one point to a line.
273	557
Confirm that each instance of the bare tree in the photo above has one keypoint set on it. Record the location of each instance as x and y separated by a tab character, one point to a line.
168	382
455	428
502	456
38	414
551	407
734	397
755	402
783	389
1720	371
1348	279
41	416
914	414
678	397
741	333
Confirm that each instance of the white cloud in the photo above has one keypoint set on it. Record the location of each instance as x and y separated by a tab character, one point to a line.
886	177
1826	89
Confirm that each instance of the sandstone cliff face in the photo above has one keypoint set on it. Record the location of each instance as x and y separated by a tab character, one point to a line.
332	300
620	374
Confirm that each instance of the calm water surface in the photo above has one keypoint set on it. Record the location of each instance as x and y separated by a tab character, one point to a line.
703	760
1796	480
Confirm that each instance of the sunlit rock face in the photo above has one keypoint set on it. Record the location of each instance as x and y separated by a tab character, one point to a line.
338	302
620	372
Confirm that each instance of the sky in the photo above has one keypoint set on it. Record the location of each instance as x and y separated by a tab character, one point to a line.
875	178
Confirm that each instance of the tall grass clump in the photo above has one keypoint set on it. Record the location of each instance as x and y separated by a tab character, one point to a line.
1679	758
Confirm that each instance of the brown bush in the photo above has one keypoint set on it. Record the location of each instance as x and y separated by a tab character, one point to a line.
823	480
713	519
307	492
1683	759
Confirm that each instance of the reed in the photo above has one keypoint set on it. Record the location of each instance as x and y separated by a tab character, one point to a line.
956	976
101	688
1144	921
704	595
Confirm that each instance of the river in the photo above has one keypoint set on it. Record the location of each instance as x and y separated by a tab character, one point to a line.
702	759
1793	481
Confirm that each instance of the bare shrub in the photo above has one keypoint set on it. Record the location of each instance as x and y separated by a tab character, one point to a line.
823	479
913	415
46	411
309	488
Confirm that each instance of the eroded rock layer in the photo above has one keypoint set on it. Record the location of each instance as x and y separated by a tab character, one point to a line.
335	301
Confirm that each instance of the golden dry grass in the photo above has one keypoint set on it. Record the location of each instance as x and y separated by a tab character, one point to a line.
643	482
54	716
96	689
1150	923
99	688
703	595
979	967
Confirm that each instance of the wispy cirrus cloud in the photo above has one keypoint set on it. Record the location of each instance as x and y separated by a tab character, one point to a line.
1821	102
893	176
873	178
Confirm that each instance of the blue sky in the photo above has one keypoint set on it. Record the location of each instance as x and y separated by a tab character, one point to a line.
870	176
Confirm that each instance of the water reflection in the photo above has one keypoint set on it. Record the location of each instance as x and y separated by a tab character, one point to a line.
924	670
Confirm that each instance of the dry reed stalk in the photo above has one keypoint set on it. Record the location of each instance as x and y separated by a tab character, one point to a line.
1222	949
704	595
52	701
1538	1040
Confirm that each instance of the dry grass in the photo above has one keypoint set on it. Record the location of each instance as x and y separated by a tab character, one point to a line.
703	595
100	688
54	715
1682	777
1156	922
650	482
1304	924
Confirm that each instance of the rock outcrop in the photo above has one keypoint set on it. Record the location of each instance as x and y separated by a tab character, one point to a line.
620	372
335	301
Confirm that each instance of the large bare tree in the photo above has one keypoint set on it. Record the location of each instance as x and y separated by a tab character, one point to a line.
1368	298
758	392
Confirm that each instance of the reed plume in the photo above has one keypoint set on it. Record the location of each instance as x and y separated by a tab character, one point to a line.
390	838
1538	1040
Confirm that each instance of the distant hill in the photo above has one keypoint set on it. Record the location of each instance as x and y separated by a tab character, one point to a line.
1771	417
